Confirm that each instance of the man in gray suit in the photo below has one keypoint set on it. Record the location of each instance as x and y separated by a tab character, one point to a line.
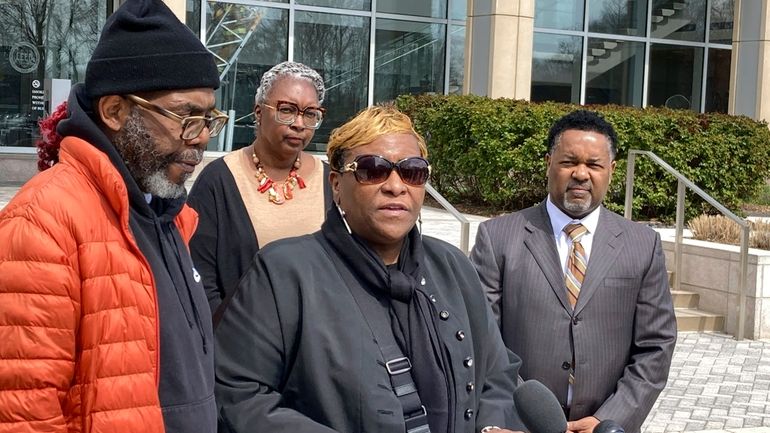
589	312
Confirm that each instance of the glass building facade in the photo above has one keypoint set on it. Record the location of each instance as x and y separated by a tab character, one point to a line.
367	51
673	53
640	53
44	48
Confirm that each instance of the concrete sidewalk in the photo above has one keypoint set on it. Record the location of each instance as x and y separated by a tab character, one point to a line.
716	384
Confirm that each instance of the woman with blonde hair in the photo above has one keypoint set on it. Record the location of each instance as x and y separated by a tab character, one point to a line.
365	325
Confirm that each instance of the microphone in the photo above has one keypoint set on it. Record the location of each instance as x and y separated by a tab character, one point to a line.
538	408
608	426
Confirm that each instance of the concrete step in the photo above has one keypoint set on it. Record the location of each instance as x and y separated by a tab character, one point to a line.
685	299
690	319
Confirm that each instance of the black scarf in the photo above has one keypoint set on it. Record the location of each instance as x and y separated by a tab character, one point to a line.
413	317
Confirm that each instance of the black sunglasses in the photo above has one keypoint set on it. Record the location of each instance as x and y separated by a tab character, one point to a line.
373	169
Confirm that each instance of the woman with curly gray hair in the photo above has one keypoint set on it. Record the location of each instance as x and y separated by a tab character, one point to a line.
269	190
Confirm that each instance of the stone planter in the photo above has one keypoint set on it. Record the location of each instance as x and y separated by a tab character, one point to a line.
711	270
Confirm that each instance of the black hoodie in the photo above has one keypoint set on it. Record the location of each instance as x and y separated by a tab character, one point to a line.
186	388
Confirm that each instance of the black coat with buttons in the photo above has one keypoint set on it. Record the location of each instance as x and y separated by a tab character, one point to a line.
294	352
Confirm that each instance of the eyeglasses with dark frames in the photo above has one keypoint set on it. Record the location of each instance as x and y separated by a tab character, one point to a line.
192	126
286	113
374	169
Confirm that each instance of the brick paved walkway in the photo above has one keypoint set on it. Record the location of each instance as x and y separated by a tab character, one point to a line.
716	383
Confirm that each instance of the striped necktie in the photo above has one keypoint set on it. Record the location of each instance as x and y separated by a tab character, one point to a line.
576	263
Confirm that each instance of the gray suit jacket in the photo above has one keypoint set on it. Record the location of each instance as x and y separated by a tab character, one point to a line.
622	330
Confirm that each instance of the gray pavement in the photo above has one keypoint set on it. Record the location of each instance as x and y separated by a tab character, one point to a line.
716	384
6	193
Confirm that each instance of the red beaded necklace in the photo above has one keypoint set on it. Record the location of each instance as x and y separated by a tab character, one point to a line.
286	191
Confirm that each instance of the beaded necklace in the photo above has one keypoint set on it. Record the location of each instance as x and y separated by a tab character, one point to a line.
286	191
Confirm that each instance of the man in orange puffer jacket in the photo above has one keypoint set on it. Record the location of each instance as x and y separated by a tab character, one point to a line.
104	324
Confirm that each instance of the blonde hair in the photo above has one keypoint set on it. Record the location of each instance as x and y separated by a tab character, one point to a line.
367	126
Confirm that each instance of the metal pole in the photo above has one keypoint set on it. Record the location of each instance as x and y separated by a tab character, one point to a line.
228	145
465	225
628	210
680	197
465	228
743	282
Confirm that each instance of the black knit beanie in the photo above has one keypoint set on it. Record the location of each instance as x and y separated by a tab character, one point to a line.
144	48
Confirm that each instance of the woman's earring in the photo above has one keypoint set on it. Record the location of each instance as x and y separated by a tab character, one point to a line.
419	223
342	214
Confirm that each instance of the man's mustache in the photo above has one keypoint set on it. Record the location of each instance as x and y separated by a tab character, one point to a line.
582	185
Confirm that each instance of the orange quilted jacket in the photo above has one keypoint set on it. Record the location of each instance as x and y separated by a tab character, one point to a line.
78	314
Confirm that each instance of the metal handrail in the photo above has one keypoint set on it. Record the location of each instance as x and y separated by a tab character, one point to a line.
465	225
682	184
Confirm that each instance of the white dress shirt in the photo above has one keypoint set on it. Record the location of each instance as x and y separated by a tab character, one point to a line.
559	220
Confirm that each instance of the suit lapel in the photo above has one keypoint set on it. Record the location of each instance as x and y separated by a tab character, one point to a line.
606	242
540	242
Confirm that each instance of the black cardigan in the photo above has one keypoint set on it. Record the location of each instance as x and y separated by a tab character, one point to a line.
224	244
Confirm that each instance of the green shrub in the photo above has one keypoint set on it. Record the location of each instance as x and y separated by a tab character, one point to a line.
491	152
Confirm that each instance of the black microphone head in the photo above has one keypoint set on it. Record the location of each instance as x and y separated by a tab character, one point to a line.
608	426
538	408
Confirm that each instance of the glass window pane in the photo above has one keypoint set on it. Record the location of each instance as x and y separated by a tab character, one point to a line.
681	20
614	72
556	62
423	8
721	27
620	17
458	9
675	76
409	58
42	53
718	80
193	16
456	59
245	54
337	46
559	14
359	5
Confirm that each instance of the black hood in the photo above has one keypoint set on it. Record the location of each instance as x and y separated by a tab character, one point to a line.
81	123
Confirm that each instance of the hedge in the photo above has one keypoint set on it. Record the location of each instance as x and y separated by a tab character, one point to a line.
490	152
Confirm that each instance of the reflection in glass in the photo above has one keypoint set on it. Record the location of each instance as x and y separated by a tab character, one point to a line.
559	14
721	27
41	40
336	46
409	59
193	16
423	8
718	80
457	59
556	68
682	20
675	76
235	35
360	5
620	17
458	9
614	72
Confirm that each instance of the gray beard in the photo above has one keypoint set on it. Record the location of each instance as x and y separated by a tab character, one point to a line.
147	166
576	207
